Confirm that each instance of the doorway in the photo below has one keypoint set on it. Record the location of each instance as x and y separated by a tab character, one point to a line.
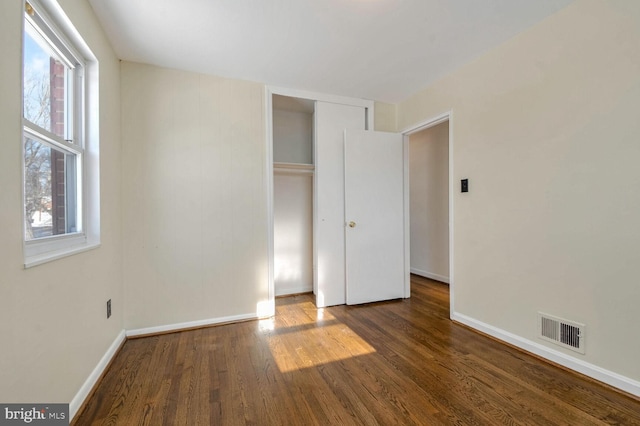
429	201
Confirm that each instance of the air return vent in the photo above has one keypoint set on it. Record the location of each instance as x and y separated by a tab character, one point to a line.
565	333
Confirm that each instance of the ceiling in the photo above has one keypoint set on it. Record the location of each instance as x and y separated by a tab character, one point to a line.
382	50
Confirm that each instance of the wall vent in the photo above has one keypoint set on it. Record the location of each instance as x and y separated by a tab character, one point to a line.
565	333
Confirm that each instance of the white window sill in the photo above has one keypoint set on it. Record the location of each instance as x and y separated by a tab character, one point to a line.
49	256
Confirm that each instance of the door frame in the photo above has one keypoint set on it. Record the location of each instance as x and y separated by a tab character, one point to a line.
406	132
267	308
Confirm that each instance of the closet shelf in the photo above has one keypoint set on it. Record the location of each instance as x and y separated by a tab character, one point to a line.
293	168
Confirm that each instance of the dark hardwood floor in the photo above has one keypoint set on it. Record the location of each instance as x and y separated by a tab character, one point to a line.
391	363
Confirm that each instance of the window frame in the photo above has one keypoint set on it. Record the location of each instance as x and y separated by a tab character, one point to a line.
80	138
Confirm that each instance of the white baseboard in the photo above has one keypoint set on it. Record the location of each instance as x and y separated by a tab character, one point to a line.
430	275
609	377
189	324
93	378
282	291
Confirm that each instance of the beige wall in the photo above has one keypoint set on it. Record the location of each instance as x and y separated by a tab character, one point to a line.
195	216
546	129
53	323
429	202
384	116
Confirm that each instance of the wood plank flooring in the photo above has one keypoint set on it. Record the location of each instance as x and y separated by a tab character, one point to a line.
392	363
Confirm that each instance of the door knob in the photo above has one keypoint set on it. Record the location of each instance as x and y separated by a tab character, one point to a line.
352	224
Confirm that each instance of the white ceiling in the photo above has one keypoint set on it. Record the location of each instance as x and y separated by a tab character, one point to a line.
383	50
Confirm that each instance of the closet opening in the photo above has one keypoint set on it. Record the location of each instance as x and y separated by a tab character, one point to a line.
293	183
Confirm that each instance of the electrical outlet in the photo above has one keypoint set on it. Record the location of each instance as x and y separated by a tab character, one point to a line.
109	308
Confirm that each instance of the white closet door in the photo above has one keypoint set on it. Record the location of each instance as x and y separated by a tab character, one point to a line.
330	122
374	216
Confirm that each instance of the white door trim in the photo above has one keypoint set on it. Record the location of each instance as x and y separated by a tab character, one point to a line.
433	121
270	309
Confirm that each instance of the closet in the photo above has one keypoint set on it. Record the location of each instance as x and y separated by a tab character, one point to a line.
316	185
293	170
308	195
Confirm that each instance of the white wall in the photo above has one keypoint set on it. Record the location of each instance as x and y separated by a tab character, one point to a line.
195	216
53	324
292	137
546	129
429	202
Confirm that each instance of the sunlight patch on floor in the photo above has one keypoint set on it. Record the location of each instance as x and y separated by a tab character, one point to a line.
313	314
316	346
267	324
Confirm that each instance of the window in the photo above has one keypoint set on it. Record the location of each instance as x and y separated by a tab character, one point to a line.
54	113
